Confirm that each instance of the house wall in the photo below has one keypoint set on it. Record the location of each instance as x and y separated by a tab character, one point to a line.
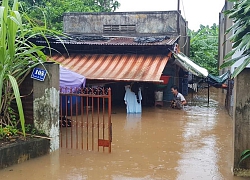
184	40
241	116
146	23
224	45
239	102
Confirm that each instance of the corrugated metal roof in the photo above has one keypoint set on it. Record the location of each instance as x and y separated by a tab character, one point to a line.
129	41
116	67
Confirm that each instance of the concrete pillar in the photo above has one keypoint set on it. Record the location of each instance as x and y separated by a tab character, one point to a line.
46	104
241	116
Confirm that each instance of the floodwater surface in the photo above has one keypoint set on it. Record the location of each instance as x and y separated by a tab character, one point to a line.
160	144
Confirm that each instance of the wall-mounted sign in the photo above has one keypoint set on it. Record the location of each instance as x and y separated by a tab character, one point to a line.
38	74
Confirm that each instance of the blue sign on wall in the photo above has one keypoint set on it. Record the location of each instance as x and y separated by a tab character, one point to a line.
38	74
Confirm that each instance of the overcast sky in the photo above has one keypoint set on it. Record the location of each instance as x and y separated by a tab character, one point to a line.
196	12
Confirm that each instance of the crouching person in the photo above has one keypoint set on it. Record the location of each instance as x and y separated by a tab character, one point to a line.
179	101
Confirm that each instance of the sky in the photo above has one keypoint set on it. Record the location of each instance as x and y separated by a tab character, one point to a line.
196	12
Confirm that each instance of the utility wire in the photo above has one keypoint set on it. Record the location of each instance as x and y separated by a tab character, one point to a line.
183	9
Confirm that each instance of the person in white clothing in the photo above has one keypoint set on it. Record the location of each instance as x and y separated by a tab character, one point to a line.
179	101
133	98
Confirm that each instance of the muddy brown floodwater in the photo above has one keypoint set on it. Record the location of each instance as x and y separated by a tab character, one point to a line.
162	143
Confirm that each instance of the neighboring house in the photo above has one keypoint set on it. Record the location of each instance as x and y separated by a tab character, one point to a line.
224	48
237	97
224	45
117	48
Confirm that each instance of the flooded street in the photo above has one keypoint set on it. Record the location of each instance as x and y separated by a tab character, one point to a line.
161	144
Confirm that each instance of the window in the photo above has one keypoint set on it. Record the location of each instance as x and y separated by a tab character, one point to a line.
119	28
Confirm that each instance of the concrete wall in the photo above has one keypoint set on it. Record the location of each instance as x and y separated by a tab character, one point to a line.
16	153
146	23
224	46
46	104
184	40
241	116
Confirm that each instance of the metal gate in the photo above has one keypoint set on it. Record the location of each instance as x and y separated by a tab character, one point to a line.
85	118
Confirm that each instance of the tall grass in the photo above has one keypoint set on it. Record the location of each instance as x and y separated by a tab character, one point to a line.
18	56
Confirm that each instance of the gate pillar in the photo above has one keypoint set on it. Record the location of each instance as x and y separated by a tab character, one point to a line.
46	104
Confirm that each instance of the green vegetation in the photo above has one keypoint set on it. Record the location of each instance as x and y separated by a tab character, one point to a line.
244	155
7	132
204	47
17	57
53	10
31	130
240	14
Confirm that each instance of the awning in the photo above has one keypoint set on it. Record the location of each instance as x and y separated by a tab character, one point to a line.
69	78
121	67
183	61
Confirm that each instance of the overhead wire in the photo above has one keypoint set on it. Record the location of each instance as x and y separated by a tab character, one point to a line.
185	25
183	9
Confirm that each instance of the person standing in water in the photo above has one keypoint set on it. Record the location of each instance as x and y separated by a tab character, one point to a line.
133	98
179	101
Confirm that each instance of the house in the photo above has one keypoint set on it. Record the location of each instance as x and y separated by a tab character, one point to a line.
224	48
117	48
237	96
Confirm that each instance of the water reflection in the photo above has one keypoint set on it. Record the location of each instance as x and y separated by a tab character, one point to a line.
133	122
